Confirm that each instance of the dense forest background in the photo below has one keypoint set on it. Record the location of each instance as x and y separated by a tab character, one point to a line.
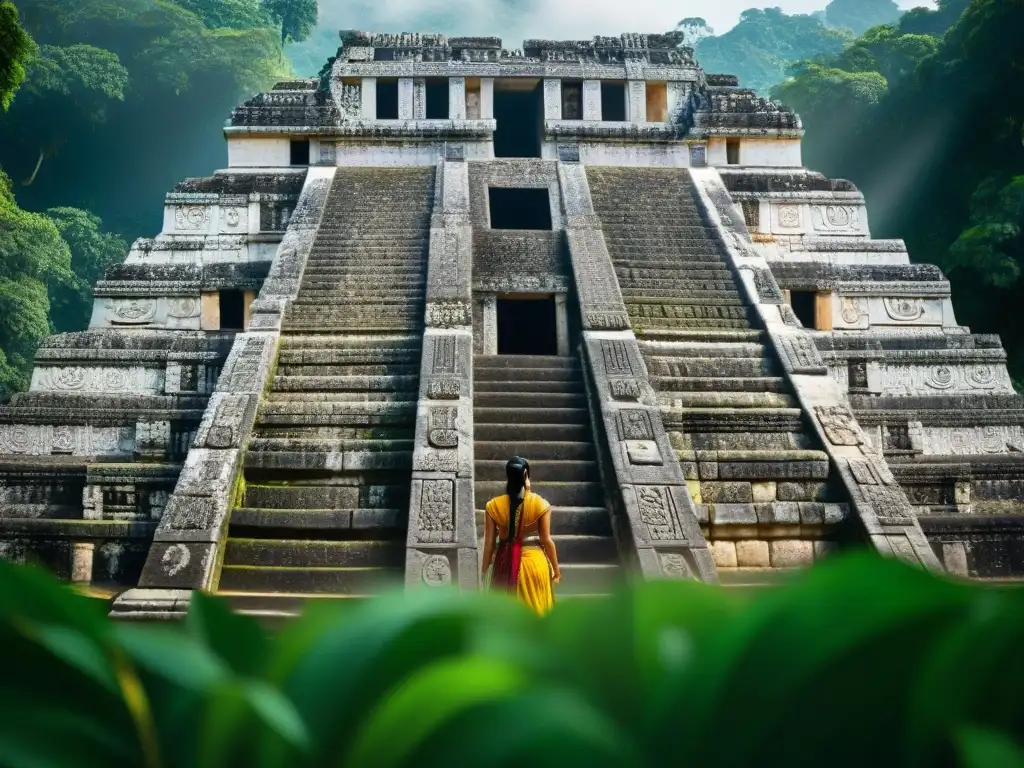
105	104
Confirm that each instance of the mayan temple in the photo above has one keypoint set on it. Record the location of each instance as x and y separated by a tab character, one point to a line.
442	253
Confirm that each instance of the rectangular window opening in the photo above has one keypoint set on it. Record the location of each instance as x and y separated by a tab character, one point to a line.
232	310
732	151
613	101
387	98
519	208
438	95
300	152
519	112
572	99
804	307
383	54
657	102
527	326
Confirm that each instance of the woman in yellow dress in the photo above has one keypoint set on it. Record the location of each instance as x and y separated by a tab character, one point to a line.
518	537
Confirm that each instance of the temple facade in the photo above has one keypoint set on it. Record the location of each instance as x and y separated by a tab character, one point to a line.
441	253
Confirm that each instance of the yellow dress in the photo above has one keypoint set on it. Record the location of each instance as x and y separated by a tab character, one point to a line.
535	586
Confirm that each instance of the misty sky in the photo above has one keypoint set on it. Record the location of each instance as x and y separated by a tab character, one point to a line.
515	20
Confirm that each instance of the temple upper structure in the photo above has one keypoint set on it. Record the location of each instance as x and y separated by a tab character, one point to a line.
441	253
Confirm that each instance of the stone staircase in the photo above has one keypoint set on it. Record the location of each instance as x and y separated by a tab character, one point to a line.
731	416
327	473
536	406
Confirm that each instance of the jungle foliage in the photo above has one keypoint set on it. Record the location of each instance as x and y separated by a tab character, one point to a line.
860	661
926	117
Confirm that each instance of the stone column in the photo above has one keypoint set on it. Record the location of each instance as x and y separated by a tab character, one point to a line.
419	99
591	99
441	544
369	100
490	324
456	98
486	98
561	325
405	98
82	556
823	311
210	312
636	101
651	502
552	99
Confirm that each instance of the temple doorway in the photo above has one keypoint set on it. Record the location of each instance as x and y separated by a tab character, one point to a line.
527	325
519	112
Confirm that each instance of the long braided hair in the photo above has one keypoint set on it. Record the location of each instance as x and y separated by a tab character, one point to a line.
515	474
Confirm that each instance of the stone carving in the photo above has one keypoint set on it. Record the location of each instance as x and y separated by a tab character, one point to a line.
455	152
443	427
767	289
789	216
698	155
244	368
350	100
449	314
437	512
606	321
870	471
673	565
437	571
191	217
903	310
624	389
176	559
183	307
68	378
800	356
444	356
616	358
63	439
232	217
328	153
853	311
18	439
132	311
982	377
656	512
841	428
835	218
635	424
941	377
444	389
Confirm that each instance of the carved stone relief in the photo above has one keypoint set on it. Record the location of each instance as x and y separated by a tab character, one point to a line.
191	217
443	427
183	307
835	218
132	311
840	426
437	512
673	565
799	355
854	311
437	571
789	216
903	310
656	513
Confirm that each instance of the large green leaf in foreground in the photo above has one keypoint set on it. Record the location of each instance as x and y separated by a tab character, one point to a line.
860	661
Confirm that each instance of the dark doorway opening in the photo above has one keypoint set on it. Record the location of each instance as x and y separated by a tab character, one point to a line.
732	151
613	101
437	95
387	99
519	208
300	152
803	303
519	111
232	310
527	326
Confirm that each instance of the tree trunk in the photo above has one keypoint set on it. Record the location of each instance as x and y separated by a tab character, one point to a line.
35	172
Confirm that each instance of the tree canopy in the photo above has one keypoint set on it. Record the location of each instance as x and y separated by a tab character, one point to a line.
860	15
15	49
295	18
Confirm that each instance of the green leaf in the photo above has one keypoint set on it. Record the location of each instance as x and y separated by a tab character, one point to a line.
980	748
236	639
173	656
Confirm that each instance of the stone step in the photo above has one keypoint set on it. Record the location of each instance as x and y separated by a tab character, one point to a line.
695	289
338	432
384	370
366	384
740	441
355	399
274	610
329	461
710	368
341	414
645	324
341	581
642	304
349	296
352	345
566	521
324	280
353	325
588	579
774	384
704	335
525	361
484	373
541	471
717	312
573	549
533	450
311	553
306	495
556	433
700	420
676	400
251	520
702	349
557	494
328	445
509	416
552	387
529	399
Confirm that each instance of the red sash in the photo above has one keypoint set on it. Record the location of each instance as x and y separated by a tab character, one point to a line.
505	575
